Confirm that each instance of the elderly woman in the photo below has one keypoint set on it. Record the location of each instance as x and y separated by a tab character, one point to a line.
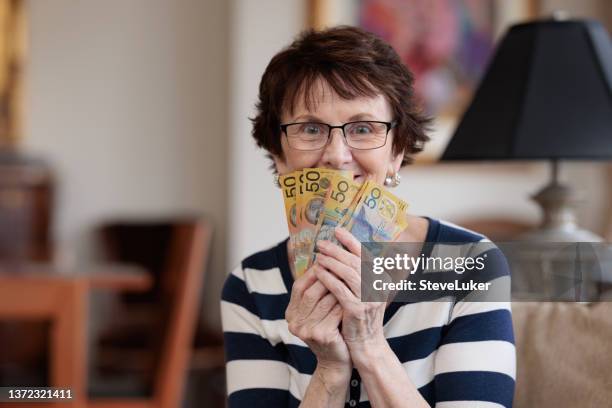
311	341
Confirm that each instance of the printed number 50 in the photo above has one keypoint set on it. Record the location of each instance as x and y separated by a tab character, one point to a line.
374	195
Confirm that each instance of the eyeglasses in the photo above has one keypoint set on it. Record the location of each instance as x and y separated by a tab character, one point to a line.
361	135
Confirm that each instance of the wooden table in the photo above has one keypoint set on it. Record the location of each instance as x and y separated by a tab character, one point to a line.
44	292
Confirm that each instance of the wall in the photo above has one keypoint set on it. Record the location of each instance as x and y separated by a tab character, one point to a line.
128	99
259	30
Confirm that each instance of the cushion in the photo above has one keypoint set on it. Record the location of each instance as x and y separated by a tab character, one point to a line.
564	354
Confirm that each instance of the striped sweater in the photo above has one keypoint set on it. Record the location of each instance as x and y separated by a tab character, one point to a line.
457	354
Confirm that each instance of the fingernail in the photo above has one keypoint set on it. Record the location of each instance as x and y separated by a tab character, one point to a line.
322	244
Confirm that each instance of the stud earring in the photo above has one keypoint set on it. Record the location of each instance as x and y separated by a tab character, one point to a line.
393	181
277	181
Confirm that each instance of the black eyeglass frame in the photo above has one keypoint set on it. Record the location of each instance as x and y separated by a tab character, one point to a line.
390	125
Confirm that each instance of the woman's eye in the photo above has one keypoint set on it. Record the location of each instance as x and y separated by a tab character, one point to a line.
360	129
311	129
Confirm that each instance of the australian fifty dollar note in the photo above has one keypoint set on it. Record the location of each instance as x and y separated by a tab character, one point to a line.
379	216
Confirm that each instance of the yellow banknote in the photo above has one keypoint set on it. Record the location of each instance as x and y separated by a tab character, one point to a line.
379	216
353	205
339	197
288	184
314	185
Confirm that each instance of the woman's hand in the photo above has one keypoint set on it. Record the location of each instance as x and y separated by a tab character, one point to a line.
314	315
340	273
383	375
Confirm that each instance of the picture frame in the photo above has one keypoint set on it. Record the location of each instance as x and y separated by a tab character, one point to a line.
444	96
13	45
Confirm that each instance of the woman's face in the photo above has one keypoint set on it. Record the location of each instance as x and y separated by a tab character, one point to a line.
329	108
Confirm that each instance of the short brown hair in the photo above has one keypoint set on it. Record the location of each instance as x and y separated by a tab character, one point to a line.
354	63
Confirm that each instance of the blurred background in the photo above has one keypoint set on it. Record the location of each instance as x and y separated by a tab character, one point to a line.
126	143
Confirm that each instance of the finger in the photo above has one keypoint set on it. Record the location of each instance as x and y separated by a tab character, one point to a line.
309	300
333	318
350	276
322	309
370	294
339	289
348	240
297	290
301	284
330	249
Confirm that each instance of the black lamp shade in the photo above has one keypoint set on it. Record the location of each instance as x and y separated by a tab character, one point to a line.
547	94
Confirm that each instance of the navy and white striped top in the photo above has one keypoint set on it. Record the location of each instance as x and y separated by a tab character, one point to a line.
457	354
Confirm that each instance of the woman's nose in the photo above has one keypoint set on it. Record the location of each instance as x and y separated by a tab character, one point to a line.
336	153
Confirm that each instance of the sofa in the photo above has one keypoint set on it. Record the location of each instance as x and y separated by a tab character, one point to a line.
564	354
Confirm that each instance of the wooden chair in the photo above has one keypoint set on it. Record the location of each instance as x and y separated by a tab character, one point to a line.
26	198
26	195
179	289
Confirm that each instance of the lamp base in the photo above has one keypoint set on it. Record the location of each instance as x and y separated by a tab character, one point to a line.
557	202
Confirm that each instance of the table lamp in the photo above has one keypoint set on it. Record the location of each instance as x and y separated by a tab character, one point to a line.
546	95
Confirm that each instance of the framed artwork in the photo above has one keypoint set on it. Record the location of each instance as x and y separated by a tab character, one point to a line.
12	59
608	232
445	43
